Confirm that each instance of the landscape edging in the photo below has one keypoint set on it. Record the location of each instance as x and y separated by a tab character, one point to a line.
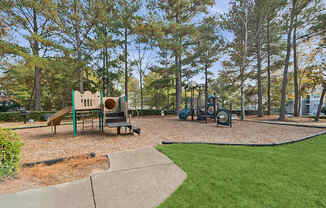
250	145
287	124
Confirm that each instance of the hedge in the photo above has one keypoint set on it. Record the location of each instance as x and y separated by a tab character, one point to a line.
149	112
9	152
17	116
41	116
248	112
323	110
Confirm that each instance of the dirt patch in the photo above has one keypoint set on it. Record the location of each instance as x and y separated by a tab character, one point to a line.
62	172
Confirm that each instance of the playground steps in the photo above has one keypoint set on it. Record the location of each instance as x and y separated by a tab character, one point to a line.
118	125
117	120
114	117
121	114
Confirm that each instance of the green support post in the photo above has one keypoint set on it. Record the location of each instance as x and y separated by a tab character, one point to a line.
74	113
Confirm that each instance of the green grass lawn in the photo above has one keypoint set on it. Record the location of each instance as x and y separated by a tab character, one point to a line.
222	176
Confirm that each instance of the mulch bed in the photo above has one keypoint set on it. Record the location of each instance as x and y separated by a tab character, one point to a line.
39	145
61	172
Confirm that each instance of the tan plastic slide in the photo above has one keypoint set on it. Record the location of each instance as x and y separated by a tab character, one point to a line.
56	118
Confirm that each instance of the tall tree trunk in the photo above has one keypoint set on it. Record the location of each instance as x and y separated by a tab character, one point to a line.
175	98
243	64
321	102
104	69
286	67
268	69
168	95
37	70
260	94
78	45
141	92
206	91
295	70
178	72
140	70
243	111
178	85
258	48
105	75
108	79
167	75
126	63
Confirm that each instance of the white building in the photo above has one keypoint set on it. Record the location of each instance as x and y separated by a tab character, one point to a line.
309	105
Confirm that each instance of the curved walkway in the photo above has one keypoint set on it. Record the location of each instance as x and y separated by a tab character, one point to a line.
140	179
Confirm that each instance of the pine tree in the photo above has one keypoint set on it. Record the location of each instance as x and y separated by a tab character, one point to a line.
177	17
237	21
305	14
319	73
262	11
74	23
127	16
32	17
273	36
105	43
289	28
210	43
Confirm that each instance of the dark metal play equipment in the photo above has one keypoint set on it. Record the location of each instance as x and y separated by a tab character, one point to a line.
204	107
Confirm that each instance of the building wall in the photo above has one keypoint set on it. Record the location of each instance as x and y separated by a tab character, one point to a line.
314	101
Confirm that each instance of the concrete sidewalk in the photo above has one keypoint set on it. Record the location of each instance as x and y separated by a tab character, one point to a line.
138	179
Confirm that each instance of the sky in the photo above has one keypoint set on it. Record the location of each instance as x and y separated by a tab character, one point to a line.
220	6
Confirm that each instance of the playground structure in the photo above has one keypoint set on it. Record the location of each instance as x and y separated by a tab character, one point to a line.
204	107
112	112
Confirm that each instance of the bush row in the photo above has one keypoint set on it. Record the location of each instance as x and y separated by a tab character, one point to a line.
248	112
9	152
42	115
149	112
17	116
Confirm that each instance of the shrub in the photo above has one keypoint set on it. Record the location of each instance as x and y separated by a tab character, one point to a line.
17	116
42	115
9	152
149	112
323	110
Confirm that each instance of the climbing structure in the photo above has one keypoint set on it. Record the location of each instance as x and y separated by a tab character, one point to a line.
112	112
204	107
87	102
